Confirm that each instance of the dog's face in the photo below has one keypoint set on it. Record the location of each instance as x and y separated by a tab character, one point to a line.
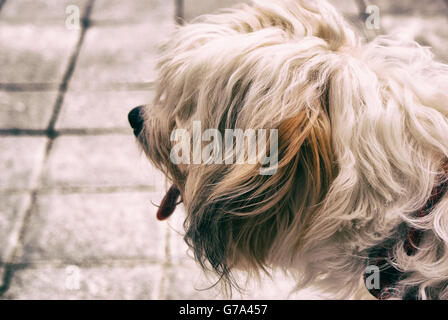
251	68
293	66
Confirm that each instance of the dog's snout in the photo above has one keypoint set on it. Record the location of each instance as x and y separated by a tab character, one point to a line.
136	120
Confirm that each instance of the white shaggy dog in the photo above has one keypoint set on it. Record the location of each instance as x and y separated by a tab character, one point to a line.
362	148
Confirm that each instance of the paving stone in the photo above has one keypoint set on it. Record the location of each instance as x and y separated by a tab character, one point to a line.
20	161
411	7
347	7
132	59
133	11
94	227
188	281
12	210
279	287
38	11
179	252
99	161
431	32
194	8
34	54
96	283
26	110
100	109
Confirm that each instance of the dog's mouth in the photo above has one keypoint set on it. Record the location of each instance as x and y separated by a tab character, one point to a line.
169	203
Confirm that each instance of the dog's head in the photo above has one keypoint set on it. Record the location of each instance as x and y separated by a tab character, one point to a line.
294	67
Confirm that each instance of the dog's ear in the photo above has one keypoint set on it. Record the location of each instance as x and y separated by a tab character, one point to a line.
239	218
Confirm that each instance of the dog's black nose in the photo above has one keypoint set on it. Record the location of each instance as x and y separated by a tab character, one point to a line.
135	120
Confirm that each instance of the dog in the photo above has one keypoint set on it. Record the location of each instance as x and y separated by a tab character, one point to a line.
361	146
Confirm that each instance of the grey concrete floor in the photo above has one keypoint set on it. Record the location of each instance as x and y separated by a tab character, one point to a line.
76	219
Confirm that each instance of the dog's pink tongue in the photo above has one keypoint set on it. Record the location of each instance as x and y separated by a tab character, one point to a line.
168	204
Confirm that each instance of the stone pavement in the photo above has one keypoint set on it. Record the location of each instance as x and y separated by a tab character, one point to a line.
76	219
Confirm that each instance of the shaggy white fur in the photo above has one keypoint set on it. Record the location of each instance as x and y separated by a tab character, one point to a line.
363	138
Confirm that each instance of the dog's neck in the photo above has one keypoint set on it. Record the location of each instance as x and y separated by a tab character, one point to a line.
381	257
